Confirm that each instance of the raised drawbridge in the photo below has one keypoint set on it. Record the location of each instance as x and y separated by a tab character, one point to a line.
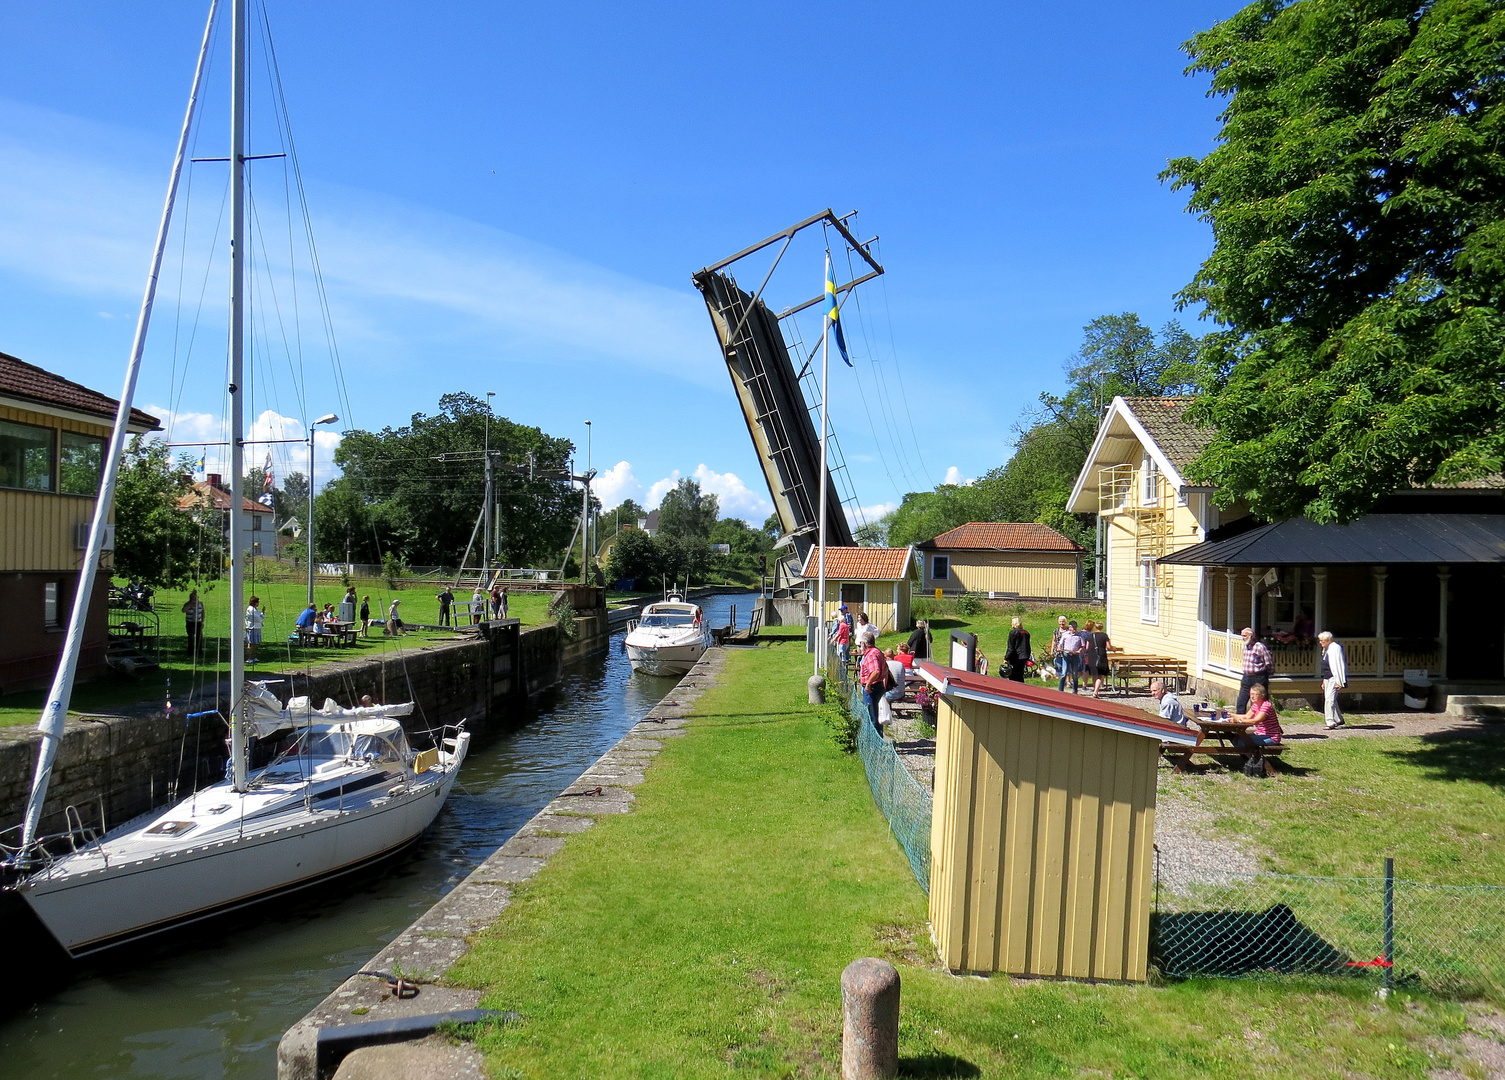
777	386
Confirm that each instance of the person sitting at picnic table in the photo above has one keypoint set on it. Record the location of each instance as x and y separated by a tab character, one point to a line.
904	656
308	618
1170	704
896	692
1266	730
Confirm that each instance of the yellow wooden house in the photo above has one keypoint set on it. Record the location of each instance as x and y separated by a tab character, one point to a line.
1002	559
53	434
876	580
1182	577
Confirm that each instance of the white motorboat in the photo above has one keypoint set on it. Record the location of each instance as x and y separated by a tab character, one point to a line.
668	638
346	787
345	790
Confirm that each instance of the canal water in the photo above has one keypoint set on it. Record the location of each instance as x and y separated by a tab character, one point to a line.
213	1006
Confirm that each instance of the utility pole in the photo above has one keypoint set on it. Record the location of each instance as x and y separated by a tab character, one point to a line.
486	543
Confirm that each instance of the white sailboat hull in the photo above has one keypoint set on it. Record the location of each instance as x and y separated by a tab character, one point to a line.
92	900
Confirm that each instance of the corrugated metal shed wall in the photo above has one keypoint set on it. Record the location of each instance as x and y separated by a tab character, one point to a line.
1041	844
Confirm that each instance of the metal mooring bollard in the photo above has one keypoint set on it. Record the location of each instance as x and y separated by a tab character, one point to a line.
869	1020
817	687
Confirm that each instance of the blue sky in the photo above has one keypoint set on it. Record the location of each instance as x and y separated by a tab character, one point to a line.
513	197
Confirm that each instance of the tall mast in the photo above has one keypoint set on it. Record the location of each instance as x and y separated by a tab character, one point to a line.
825	379
237	386
55	712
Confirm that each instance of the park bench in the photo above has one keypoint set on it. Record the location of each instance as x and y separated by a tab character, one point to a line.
337	635
1180	756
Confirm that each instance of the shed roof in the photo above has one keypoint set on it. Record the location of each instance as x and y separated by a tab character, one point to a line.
861	563
1002	536
29	383
1375	539
1043	701
213	497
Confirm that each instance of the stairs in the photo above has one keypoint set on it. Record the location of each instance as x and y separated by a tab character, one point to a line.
1477	706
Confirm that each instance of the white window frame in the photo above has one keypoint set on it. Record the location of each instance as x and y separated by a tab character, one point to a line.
935	568
1149	591
1150	481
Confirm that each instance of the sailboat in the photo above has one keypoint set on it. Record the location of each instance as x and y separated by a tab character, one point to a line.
343	788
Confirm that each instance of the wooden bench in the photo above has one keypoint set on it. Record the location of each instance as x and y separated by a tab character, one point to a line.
339	636
1180	755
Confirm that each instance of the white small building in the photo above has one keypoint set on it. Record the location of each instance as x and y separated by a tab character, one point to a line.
257	532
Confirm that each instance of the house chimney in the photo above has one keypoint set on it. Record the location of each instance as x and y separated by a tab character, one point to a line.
215	480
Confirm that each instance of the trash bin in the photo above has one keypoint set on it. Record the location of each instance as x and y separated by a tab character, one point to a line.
1417	688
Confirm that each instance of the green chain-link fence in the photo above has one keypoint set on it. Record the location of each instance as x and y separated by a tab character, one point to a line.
1213	921
904	801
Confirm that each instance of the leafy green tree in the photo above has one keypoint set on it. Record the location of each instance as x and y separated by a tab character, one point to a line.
624	515
635	554
424	509
924	515
1358	266
741	537
687	513
773	527
872	533
155	542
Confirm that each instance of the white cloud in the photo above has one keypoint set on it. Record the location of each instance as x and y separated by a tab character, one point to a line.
615	484
659	489
954	476
736	499
871	514
201	430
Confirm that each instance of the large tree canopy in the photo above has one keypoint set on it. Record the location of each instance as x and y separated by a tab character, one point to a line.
155	542
1358	266
395	497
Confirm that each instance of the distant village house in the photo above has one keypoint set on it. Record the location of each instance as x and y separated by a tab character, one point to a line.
1003	559
871	579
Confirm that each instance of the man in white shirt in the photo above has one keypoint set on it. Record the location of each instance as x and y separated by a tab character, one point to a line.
1334	678
1170	704
255	617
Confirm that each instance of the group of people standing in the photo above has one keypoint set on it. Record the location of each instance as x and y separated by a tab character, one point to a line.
1080	654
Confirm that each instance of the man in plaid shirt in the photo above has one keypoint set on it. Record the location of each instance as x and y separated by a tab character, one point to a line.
1258	663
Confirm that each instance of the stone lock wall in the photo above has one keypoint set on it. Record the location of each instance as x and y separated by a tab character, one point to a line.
114	768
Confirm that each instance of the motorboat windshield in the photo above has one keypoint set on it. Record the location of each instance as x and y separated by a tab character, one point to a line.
368	741
667	620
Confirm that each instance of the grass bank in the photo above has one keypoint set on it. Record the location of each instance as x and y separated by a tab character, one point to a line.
1435	803
282	602
704	934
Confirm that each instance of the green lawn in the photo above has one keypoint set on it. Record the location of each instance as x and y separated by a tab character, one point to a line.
992	627
704	935
282	602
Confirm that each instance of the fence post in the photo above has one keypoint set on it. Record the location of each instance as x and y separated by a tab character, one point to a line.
1389	954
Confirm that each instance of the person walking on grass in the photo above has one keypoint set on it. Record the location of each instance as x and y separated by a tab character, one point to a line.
193	622
394	621
445	599
1258	663
1017	654
1334	678
255	617
919	640
365	616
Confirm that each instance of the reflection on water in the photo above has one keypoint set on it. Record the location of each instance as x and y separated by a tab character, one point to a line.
214	1005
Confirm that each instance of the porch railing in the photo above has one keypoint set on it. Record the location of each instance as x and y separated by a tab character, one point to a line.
1225	653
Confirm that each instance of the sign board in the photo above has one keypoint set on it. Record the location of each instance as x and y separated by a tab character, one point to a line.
963	650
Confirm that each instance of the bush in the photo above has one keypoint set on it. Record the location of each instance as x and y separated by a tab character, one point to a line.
562	611
969	604
838	717
393	567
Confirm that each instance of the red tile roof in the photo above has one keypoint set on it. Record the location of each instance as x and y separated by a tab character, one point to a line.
18	379
860	563
1002	536
1044	701
218	498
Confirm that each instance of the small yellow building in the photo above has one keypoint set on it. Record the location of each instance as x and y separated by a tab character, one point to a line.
1002	558
53	434
1043	833
871	579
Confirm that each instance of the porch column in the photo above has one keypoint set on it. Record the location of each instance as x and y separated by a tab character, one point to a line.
1254	576
1379	620
1444	574
1319	611
1229	633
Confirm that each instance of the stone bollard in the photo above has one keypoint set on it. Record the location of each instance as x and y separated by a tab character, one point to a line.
869	1020
817	687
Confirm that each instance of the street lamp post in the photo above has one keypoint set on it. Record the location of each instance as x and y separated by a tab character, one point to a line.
328	418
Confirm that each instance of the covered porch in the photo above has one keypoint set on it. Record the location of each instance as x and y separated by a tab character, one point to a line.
1400	592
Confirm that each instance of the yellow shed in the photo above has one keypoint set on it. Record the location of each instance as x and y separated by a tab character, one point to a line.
871	579
1002	558
1042	839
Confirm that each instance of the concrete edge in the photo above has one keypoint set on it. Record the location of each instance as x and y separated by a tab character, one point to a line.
424	953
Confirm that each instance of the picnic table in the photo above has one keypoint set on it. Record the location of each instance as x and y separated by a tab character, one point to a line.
1126	666
1220	736
335	633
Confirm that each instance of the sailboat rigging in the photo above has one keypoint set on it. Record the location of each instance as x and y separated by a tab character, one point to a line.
346	788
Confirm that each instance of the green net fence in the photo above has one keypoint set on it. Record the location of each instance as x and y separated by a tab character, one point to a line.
1213	921
904	801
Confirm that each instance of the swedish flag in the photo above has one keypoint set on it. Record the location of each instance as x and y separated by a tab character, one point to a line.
833	311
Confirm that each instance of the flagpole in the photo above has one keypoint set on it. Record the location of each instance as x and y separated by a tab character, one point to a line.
825	380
